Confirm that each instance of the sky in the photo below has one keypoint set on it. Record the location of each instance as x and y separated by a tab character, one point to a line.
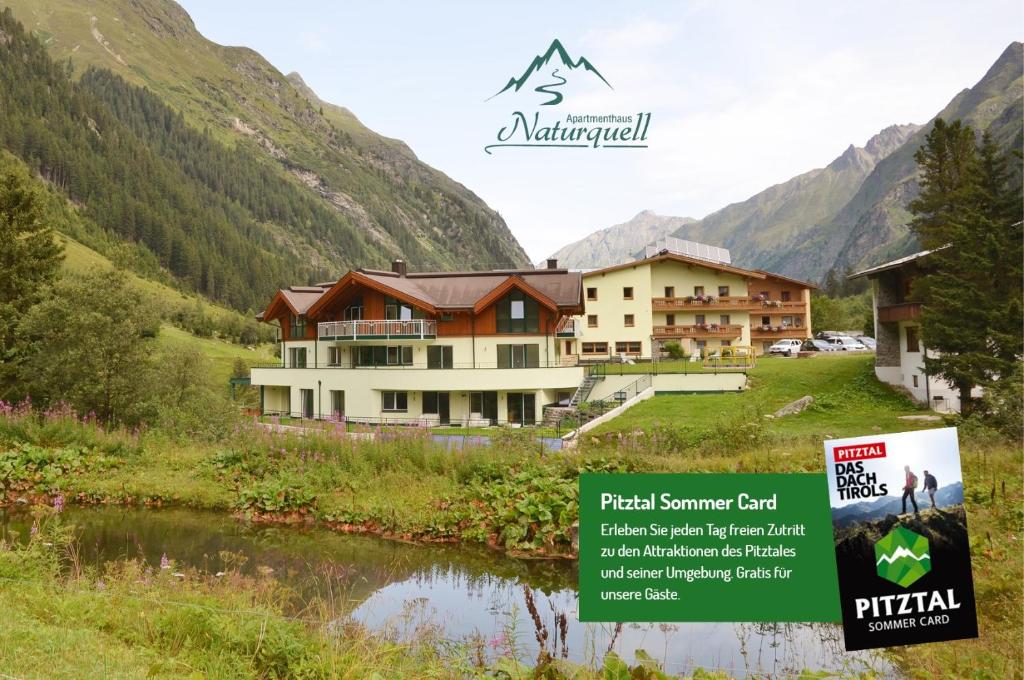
742	95
934	450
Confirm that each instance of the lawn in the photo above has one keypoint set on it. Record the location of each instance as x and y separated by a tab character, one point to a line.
221	353
848	401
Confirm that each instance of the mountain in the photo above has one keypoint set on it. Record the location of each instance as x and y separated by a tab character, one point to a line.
872	227
618	243
852	213
866	511
761	231
249	181
542	61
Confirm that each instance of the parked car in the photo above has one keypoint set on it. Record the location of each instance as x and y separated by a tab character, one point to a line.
787	347
868	342
815	345
845	342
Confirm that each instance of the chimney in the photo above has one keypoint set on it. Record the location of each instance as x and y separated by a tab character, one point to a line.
398	267
552	263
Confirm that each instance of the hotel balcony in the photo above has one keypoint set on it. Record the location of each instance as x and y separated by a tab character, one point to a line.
726	331
904	311
569	327
777	331
735	303
378	329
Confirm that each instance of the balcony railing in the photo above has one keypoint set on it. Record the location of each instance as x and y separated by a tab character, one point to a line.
569	327
738	303
904	311
699	331
777	330
378	329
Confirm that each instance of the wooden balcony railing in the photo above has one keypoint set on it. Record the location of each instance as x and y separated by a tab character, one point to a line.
699	331
738	303
378	329
905	311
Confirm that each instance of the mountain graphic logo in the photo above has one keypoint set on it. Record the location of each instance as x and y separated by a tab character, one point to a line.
901	556
550	65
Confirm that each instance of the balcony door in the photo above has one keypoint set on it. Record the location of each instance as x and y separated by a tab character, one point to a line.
306	399
522	408
484	405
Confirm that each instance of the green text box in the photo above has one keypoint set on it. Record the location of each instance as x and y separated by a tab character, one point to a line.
782	574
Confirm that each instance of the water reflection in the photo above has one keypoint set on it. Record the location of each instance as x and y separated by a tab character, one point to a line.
413	592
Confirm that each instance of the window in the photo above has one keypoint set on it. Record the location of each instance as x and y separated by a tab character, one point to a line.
306	399
628	320
784	296
430	403
670	291
591	320
699	319
354	312
447	316
400	355
765	294
395	401
380	355
522	407
723	291
334	355
517	313
297	328
914	378
701	344
396	310
439	356
766	321
297	357
627	292
765	346
337	403
628	347
592	294
907	283
518	356
723	320
726	343
698	290
787	321
670	319
913	340
595	348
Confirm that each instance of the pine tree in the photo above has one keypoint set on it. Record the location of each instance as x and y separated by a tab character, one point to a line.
969	323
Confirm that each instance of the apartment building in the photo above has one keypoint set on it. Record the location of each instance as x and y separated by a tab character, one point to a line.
900	353
636	308
459	348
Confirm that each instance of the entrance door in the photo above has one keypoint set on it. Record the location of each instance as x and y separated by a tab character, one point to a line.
307	403
444	412
522	408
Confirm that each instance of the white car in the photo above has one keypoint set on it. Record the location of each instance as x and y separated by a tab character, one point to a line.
845	342
786	348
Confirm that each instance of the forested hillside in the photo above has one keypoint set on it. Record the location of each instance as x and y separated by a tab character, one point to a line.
230	220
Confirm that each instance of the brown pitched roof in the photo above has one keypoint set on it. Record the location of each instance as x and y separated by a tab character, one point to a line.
438	290
798	282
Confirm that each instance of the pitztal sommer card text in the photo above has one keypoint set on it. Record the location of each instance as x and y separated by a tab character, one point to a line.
902	553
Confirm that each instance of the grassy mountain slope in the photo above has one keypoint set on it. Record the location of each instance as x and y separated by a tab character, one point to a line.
759	230
872	227
618	243
387	202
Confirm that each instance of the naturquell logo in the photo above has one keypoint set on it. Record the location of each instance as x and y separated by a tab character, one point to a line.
550	75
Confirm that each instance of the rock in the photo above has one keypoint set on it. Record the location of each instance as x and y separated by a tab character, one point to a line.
22	501
923	418
794	406
574	532
769	416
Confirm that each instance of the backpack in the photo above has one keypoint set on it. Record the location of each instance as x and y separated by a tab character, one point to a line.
913	481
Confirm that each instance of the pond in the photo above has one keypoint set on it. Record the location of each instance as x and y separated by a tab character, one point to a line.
455	592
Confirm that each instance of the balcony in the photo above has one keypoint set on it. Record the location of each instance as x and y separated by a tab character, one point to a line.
777	331
675	304
902	312
735	303
569	327
728	331
378	329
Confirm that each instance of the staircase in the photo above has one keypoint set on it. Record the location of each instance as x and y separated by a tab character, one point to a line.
585	388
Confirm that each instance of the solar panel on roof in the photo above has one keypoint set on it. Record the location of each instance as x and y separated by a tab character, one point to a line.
700	251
